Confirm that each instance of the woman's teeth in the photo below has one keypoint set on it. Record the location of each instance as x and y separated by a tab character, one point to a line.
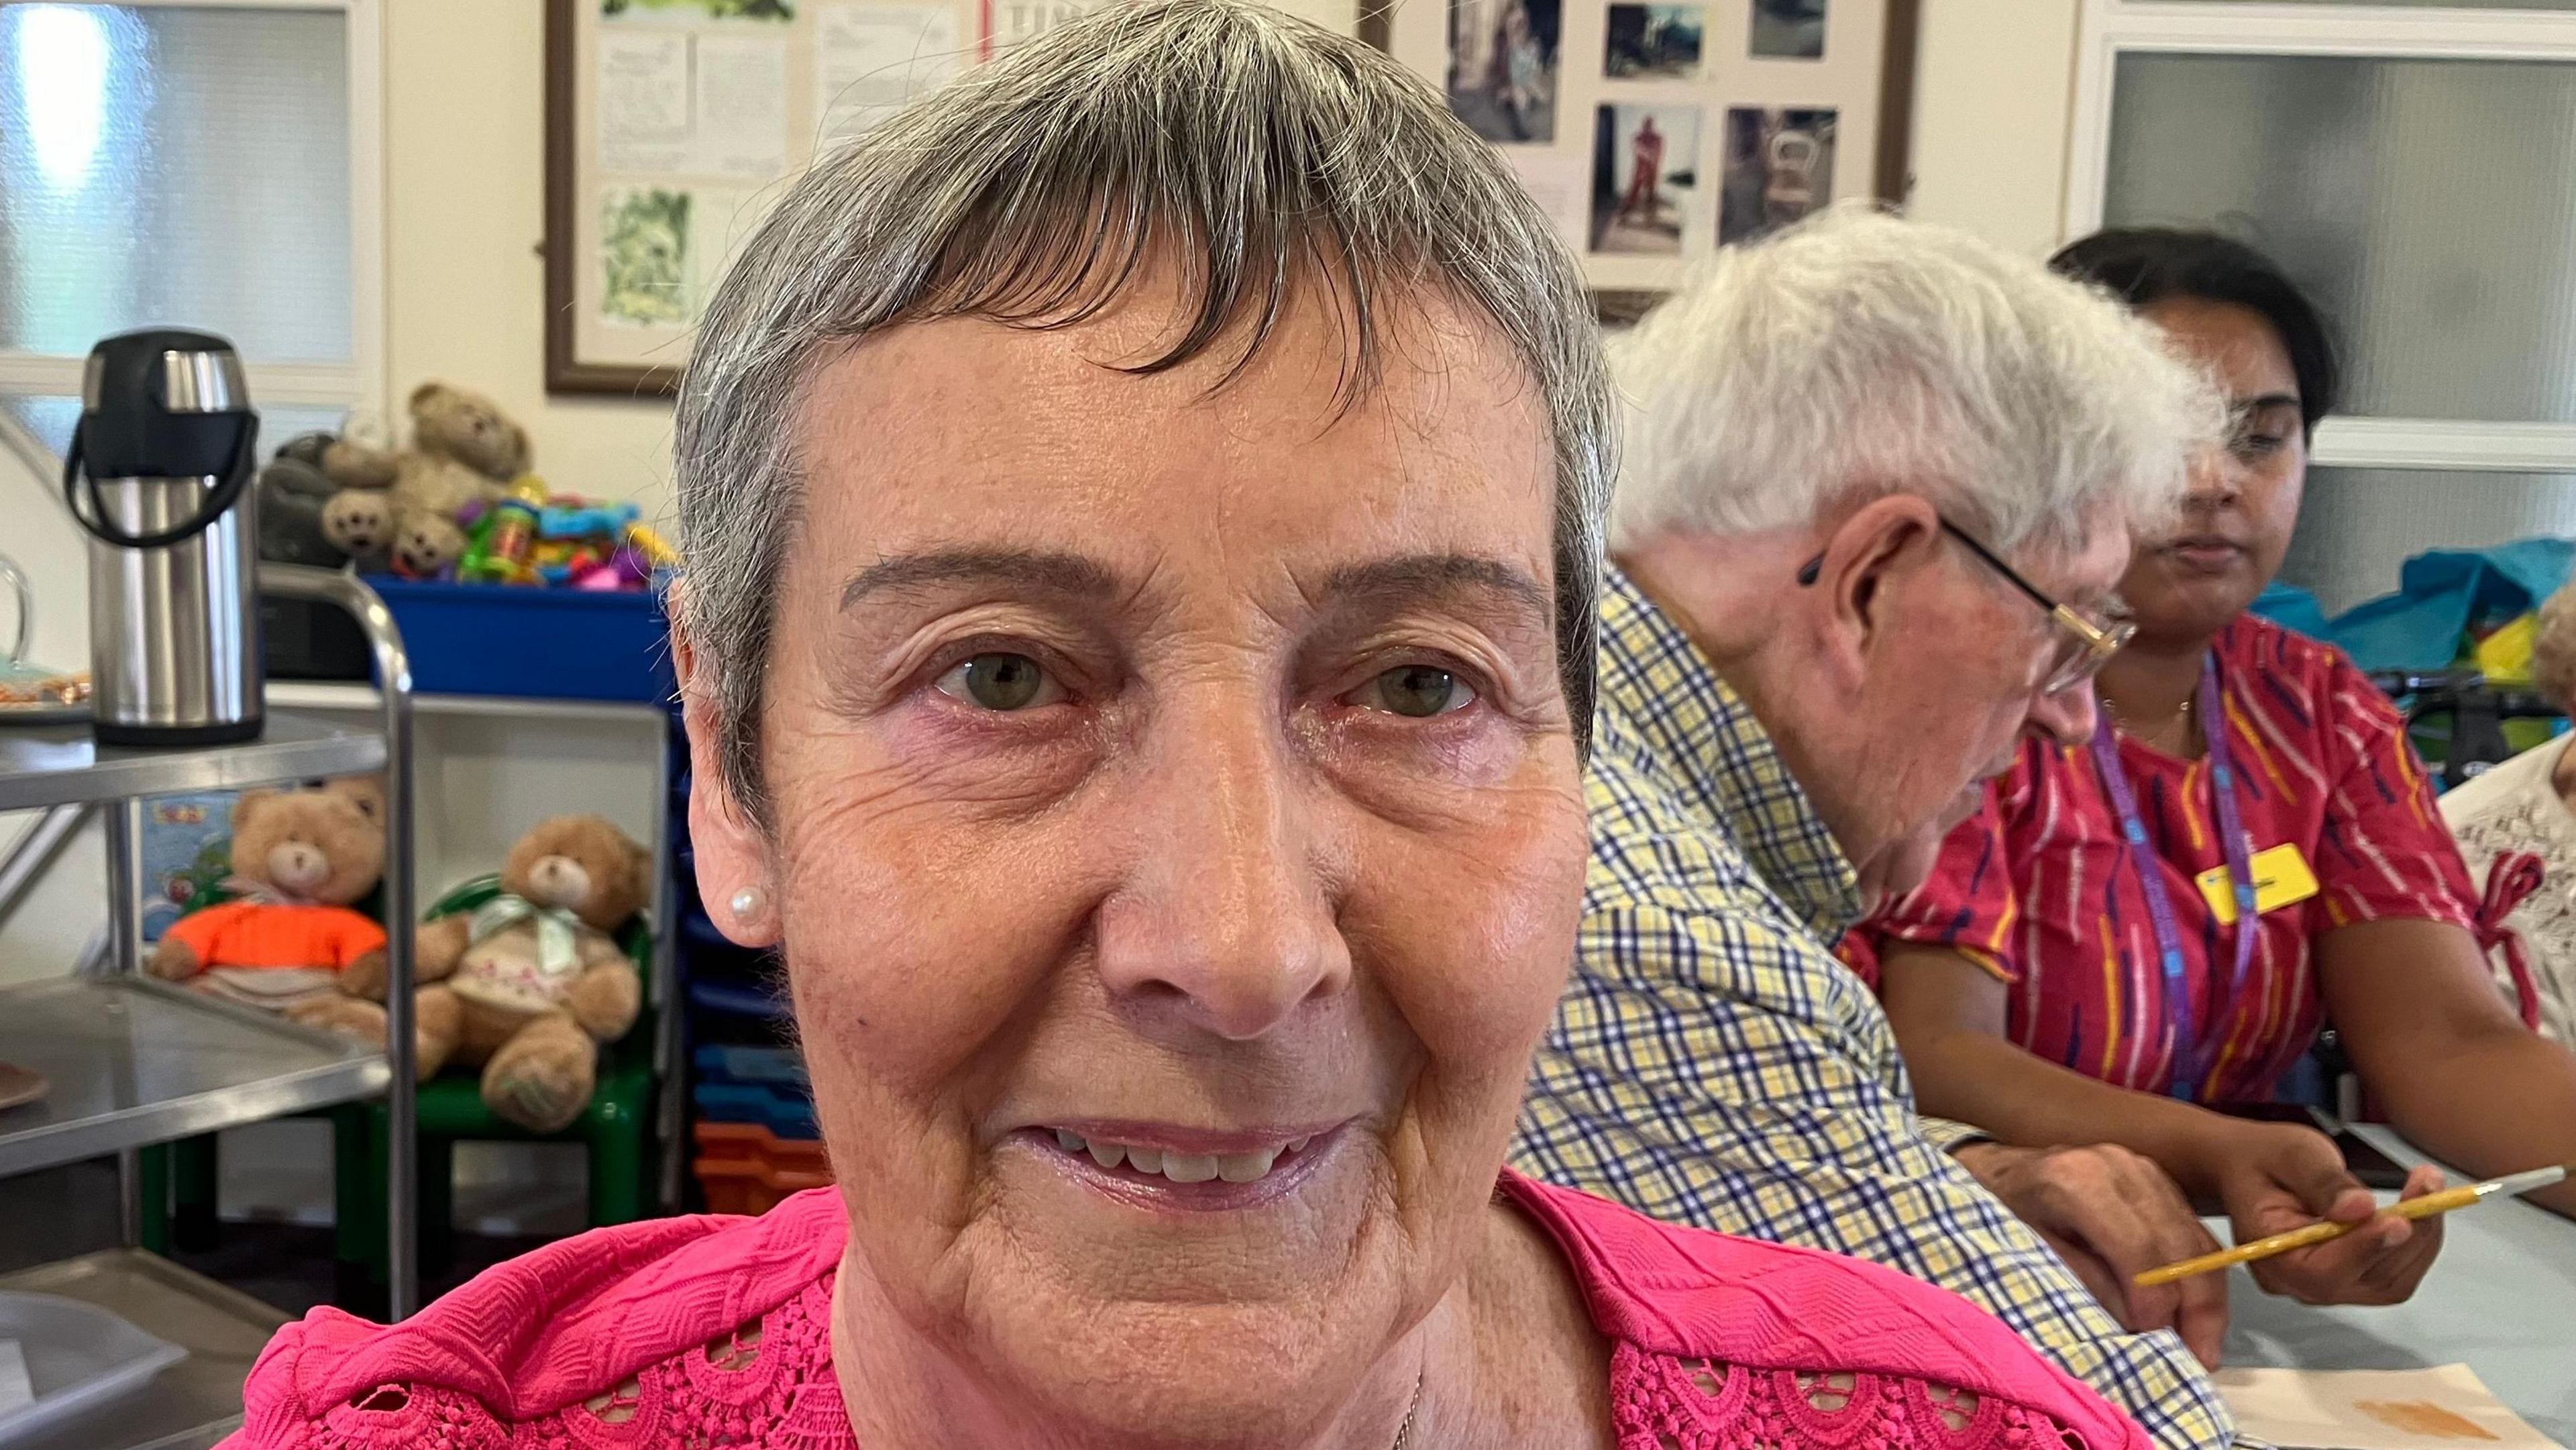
1181	1167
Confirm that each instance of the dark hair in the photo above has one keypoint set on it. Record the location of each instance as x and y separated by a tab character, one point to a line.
2145	265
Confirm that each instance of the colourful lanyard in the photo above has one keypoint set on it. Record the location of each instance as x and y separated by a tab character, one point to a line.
2189	1047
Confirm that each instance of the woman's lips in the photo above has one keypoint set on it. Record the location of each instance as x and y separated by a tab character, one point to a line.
2208	553
1185	1170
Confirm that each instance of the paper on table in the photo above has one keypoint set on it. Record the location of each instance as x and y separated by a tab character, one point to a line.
2366	1409
16	1391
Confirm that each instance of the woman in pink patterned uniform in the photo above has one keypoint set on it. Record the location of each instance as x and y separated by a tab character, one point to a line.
1141	508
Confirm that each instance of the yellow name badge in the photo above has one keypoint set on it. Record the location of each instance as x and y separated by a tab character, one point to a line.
2281	877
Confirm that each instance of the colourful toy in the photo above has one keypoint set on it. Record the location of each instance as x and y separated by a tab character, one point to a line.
499	555
568	518
651	545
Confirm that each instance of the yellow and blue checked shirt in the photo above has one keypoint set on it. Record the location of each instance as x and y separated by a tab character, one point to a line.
1712	1064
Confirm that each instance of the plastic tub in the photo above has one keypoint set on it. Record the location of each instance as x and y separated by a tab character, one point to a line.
745	1168
79	1358
786	1112
732	1063
504	639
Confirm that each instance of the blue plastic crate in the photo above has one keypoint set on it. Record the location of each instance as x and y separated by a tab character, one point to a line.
785	1113
783	1066
502	639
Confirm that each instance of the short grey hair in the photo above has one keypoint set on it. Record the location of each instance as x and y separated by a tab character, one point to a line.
1856	355
2553	648
1264	154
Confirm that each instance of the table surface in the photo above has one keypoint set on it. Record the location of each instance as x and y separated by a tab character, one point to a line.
2501	1299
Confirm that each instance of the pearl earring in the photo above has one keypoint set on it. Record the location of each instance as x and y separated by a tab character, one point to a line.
746	903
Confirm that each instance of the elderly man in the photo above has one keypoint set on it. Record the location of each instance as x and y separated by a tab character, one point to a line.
1878	491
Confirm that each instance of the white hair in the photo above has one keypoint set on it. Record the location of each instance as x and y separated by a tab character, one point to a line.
1857	355
1262	153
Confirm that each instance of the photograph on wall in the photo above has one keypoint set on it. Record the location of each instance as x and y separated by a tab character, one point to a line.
1732	141
1645	161
697	12
644	257
1789	29
1502	68
1653	42
1779	167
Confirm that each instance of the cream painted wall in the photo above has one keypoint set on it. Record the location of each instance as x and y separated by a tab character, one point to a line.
1994	92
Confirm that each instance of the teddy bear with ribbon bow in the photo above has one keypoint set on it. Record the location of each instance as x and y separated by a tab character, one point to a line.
532	983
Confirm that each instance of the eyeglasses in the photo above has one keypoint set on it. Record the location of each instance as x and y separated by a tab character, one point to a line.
2083	645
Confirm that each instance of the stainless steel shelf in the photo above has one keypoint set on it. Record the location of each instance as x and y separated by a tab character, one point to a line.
193	1403
61	765
135	1061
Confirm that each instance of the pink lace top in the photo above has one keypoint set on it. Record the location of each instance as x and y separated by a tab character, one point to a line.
715	1332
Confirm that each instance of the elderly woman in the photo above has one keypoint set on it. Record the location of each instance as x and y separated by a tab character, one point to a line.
2520	817
1141	508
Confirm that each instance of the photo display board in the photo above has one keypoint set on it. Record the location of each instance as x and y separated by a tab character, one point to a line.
1653	134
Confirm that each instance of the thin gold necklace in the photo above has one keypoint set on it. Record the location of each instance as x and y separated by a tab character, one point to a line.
2181	719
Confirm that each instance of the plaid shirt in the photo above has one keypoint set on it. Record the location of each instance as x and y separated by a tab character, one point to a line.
1712	1064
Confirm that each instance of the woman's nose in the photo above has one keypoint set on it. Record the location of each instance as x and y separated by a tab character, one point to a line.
1224	922
2217	482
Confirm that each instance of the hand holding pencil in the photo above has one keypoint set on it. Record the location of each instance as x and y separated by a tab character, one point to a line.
2441	1201
2271	1178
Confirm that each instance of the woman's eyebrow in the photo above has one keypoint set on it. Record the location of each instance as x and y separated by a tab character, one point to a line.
1054	571
2247	407
1415	578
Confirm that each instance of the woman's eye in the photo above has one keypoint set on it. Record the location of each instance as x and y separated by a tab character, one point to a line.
2258	445
1415	691
1000	681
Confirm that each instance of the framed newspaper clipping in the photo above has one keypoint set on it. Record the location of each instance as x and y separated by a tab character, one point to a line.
672	126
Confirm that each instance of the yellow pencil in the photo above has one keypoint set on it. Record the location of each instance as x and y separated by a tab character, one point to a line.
2317	1233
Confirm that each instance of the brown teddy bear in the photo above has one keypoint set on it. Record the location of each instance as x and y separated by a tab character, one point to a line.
299	859
537	980
463	450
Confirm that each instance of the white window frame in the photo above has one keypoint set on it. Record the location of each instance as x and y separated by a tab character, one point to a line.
359	385
2112	28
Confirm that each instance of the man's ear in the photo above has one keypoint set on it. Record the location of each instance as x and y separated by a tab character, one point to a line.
731	847
1863	558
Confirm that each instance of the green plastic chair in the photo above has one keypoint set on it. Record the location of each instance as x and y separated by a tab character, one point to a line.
615	1130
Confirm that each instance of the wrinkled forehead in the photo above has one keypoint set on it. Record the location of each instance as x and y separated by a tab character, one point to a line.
1261	472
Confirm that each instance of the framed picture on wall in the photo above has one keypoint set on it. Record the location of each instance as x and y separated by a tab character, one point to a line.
1654	133
672	126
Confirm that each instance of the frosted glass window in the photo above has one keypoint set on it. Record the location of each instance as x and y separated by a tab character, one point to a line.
2358	525
2428	205
164	166
51	420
